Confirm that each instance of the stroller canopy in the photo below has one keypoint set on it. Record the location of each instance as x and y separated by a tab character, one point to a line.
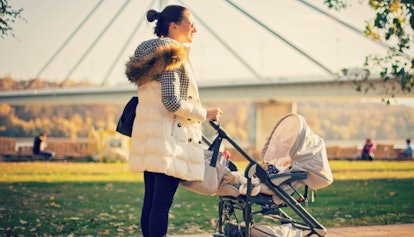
292	146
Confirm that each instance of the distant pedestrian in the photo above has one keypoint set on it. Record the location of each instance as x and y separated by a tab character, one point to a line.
367	152
39	147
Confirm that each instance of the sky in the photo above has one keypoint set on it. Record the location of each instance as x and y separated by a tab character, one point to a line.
49	23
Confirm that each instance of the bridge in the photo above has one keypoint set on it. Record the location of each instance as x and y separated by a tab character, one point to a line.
271	99
270	96
262	83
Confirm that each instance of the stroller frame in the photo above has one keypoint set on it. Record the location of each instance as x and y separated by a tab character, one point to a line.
227	204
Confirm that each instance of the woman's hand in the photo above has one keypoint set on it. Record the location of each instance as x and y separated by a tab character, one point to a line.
214	113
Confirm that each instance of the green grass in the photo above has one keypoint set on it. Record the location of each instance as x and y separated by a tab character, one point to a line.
101	199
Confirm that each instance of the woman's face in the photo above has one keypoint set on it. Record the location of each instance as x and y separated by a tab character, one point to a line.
183	31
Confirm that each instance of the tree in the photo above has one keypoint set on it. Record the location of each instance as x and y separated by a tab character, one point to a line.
394	25
8	16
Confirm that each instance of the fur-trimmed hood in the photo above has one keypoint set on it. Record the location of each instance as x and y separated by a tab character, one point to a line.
153	57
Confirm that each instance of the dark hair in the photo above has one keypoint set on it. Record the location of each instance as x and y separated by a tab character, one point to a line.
171	13
408	140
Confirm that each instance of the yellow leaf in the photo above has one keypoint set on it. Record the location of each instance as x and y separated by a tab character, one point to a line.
395	6
106	232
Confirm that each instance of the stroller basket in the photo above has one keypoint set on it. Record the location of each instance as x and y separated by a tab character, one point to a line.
301	161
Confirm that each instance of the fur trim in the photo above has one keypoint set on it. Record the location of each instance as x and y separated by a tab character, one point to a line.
164	58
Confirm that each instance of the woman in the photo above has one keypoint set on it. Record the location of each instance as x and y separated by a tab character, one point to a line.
166	137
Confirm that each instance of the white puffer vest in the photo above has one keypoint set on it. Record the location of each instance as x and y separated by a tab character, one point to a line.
166	142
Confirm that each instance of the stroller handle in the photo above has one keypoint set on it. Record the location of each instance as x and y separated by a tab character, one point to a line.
214	124
221	134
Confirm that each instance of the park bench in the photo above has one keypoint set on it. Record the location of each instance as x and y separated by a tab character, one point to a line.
341	153
24	153
64	150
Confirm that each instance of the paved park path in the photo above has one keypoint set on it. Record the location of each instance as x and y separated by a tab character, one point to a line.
406	230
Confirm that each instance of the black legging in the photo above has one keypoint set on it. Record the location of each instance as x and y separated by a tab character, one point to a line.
158	198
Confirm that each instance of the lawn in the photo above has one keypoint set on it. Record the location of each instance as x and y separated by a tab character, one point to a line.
104	199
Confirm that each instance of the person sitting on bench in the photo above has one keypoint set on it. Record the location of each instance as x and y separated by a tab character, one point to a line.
39	147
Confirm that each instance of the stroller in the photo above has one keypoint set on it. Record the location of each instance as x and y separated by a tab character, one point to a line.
293	158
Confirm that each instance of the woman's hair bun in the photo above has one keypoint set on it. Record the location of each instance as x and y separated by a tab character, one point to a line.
153	15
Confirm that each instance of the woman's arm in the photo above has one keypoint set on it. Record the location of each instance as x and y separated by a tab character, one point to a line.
171	93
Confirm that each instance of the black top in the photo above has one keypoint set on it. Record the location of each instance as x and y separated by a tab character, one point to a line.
36	145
